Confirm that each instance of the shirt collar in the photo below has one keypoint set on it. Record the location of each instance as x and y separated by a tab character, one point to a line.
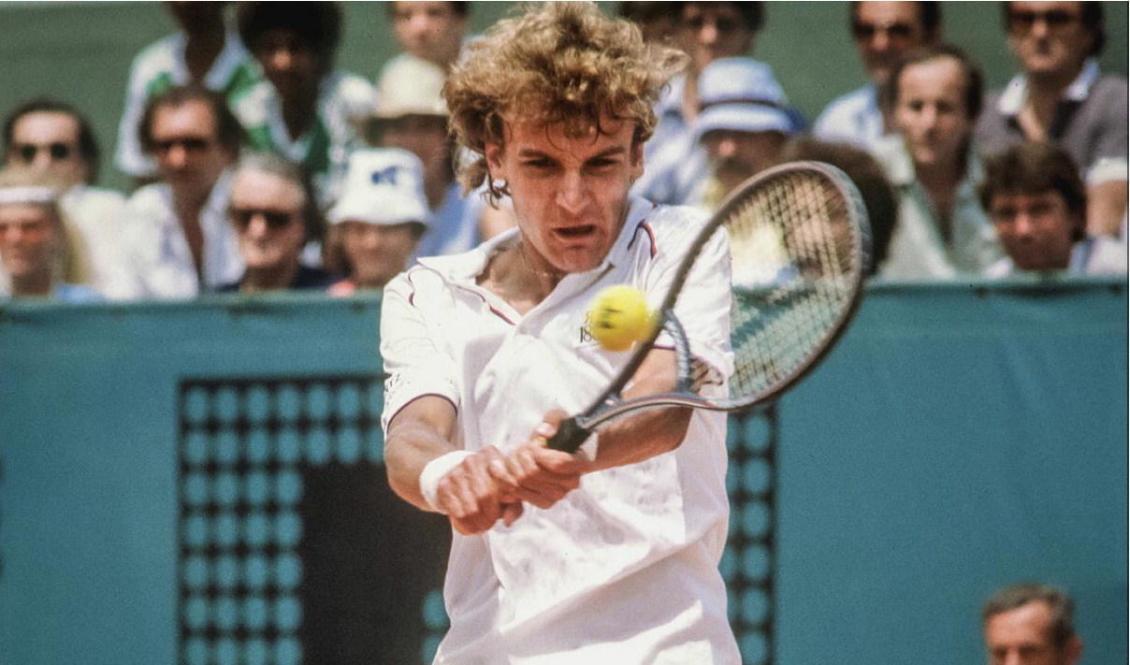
1012	99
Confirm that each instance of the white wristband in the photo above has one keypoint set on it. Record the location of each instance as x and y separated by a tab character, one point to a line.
434	472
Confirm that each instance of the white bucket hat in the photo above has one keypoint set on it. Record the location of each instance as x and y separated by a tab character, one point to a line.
742	95
410	86
383	186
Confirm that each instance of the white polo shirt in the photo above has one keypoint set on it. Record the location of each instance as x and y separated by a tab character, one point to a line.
624	569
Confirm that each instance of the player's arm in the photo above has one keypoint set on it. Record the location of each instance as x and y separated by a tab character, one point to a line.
419	454
542	476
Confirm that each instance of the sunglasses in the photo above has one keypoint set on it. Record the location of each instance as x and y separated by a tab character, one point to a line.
865	32
189	144
57	151
276	219
1024	20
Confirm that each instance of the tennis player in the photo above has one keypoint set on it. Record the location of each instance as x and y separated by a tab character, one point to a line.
609	555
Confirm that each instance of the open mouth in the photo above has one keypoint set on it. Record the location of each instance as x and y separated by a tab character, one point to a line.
575	232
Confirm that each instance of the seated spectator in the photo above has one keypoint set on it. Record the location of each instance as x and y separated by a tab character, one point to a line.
377	224
205	52
706	31
876	191
655	20
942	232
53	138
1061	96
40	256
176	240
883	32
429	31
272	206
1038	204
1032	624
742	127
306	111
415	119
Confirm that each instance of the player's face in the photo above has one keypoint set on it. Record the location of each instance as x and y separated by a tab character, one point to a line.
570	193
429	30
187	147
376	254
267	212
288	63
1035	229
1048	38
713	30
1023	636
742	154
930	111
48	142
883	31
27	239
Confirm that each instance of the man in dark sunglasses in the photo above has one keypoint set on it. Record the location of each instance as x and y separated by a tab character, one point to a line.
882	32
176	239
54	139
1060	96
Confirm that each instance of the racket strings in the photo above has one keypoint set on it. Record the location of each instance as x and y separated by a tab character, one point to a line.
794	276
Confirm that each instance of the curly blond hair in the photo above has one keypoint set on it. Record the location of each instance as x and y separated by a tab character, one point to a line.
554	63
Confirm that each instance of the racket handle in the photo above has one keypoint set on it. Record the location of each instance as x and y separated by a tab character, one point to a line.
569	436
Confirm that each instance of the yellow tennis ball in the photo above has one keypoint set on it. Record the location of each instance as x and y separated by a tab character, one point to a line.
619	317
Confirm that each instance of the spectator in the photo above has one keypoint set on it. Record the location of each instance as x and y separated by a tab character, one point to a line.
1061	96
377	224
883	32
1038	204
306	111
942	231
430	31
743	126
1030	624
415	119
876	191
41	257
272	206
656	21
176	240
204	52
53	138
706	31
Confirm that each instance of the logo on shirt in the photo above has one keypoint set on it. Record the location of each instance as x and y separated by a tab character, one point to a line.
585	331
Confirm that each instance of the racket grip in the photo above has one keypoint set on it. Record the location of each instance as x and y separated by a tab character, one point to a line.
569	436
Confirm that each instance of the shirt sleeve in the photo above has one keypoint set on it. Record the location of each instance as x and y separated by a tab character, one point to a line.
703	304
416	362
1110	162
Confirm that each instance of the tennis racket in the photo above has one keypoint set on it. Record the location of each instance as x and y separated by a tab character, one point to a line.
800	245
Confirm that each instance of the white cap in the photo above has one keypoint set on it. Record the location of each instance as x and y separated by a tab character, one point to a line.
383	186
410	86
741	95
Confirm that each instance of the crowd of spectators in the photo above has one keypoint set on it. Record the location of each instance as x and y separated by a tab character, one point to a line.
258	165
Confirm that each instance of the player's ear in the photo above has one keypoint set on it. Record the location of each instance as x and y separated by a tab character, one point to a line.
1073	650
493	153
635	159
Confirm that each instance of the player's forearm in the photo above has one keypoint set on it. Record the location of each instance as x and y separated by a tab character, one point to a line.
420	433
640	437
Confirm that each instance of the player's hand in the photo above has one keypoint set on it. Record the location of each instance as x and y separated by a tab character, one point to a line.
536	474
472	499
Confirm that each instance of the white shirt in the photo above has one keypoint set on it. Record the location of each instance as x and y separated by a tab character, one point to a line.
623	570
160	66
852	118
156	260
1095	256
95	214
918	249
